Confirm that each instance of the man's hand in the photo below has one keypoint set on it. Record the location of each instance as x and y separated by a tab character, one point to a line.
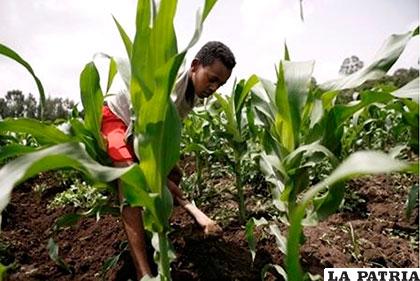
212	229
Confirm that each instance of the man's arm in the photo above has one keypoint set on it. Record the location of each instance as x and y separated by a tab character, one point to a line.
210	226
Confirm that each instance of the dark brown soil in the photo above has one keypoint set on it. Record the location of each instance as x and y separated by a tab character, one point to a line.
382	236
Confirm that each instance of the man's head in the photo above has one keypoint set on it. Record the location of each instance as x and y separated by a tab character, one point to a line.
211	68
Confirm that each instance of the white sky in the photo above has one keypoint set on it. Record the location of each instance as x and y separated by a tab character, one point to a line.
59	37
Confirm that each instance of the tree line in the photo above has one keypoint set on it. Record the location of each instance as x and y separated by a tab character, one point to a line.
16	104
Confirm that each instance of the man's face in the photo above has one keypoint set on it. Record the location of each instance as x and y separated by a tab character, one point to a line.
207	79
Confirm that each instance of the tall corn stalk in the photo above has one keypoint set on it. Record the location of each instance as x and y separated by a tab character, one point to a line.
234	126
154	62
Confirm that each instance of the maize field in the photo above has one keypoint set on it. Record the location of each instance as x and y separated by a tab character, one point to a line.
301	176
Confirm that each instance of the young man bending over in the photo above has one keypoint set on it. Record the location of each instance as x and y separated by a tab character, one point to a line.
210	69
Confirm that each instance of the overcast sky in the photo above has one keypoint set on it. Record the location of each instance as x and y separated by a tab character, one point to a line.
59	37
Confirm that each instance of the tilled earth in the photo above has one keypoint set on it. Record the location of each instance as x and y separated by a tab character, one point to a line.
370	231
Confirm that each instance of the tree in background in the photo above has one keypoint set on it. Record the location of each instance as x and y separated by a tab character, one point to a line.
15	104
350	65
57	108
402	76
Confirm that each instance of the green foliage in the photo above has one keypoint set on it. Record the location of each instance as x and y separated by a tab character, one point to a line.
413	197
80	195
303	129
198	140
111	262
303	132
359	163
53	253
235	131
155	62
377	127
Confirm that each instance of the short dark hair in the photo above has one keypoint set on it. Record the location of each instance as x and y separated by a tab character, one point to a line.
216	50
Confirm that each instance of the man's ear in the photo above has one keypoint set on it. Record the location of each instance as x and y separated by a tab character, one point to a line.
194	65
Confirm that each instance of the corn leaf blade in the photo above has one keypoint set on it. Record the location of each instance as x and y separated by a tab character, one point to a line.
92	100
384	59
43	133
8	52
67	155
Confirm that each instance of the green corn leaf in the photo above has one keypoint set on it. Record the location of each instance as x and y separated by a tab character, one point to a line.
109	263
249	234
92	100
126	40
273	170
413	197
410	90
44	134
285	101
328	203
82	134
236	92
384	59
260	100
137	193
13	150
67	155
297	76
111	73
283	123
66	221
171	138
53	253
124	71
197	147
208	6
112	69
286	52
276	267
332	122
280	239
3	271
357	164
163	38
6	51
308	149
239	102
231	125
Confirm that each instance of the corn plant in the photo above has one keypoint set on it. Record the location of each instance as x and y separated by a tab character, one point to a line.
234	125
302	127
195	133
154	62
359	163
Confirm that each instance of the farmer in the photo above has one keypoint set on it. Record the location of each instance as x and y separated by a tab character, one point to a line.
210	69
